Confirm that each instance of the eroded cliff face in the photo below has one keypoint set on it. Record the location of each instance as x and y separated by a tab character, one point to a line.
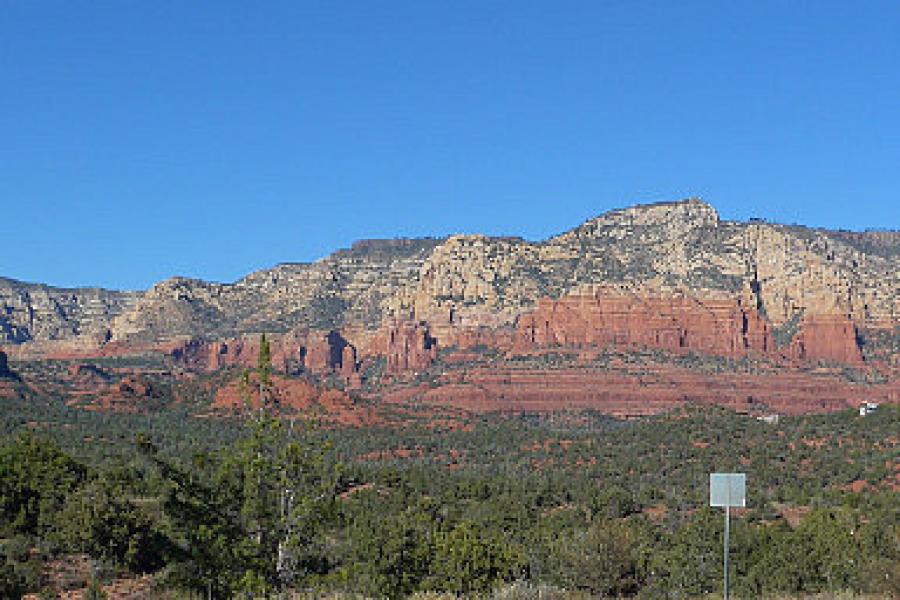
831	338
43	313
343	289
782	271
317	352
674	275
796	270
680	322
410	347
675	322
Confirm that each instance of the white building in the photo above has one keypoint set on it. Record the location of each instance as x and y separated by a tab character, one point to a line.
866	408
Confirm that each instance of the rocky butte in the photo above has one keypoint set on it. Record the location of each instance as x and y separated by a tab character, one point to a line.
742	313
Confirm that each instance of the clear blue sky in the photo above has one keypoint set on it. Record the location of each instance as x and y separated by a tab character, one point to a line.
140	140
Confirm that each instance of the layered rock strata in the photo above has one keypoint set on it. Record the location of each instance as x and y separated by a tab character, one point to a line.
318	352
655	389
672	277
677	322
472	281
34	312
680	322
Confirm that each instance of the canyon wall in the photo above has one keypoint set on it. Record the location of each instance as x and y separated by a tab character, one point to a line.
318	352
831	338
677	322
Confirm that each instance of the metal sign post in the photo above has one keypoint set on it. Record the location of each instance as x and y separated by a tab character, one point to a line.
727	489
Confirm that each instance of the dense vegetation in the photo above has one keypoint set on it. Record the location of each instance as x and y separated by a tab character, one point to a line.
577	501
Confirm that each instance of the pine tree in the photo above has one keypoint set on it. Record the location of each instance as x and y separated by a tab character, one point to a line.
264	371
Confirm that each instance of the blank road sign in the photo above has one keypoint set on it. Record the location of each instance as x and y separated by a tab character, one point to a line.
728	489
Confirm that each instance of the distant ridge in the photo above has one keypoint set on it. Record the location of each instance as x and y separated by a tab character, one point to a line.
787	269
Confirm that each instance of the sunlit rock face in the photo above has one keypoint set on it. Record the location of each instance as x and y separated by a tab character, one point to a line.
670	275
677	322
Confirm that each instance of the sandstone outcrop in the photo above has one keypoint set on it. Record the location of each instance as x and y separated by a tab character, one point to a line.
831	338
317	352
676	322
326	353
131	393
242	352
348	365
299	396
410	347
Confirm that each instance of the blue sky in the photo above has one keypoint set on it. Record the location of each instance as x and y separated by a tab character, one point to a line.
140	140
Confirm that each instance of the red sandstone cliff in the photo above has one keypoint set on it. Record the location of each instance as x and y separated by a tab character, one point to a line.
410	347
318	352
831	338
678	322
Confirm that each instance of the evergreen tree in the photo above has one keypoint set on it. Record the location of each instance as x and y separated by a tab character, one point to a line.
264	371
